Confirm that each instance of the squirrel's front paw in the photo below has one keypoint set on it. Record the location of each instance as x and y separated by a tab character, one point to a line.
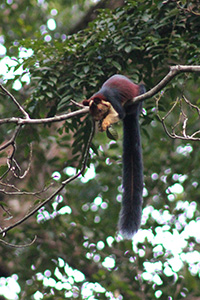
104	125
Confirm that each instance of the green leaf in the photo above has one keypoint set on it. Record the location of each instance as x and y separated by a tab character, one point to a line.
128	48
86	69
112	133
49	94
117	65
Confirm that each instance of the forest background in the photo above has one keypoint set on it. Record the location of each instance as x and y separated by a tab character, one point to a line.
59	210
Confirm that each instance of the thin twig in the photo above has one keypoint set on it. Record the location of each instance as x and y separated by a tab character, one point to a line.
8	185
183	116
15	101
192	105
7	144
28	168
19	192
77	103
10	158
19	246
195	133
6	211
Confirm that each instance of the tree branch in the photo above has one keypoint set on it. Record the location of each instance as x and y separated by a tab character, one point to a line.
21	121
174	70
64	183
15	101
12	140
18	246
183	119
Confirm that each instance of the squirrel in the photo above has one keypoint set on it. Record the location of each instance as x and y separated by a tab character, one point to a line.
108	106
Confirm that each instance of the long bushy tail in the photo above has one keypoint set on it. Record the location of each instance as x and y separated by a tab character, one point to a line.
131	210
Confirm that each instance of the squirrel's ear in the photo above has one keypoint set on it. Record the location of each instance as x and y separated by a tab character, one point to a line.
97	100
86	102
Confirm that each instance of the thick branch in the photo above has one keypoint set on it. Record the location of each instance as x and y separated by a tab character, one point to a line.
174	70
21	121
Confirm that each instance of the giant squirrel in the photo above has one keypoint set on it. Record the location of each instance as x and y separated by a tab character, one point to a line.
108	106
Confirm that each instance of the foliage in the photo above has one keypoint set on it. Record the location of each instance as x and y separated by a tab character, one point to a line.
77	231
28	19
